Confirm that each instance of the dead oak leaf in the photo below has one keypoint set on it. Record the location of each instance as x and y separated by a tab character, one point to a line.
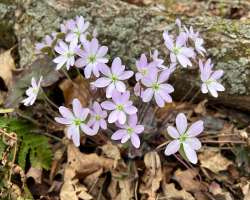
214	161
86	164
7	65
73	190
78	88
186	179
152	175
111	151
171	193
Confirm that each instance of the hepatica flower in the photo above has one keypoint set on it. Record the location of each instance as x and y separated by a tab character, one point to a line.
143	67
198	42
130	130
67	54
157	88
77	29
98	116
209	78
46	43
32	92
120	107
158	61
75	121
185	139
92	57
178	50
114	78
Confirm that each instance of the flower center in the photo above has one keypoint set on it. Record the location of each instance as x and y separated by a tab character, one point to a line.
35	90
130	130
119	107
78	122
144	72
156	86
183	137
97	117
176	50
77	32
209	81
70	54
114	78
92	58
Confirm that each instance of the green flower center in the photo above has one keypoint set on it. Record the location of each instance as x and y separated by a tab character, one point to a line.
144	72
35	90
114	78
176	50
209	81
97	117
92	58
183	137
119	107
156	86
78	122
130	130
70	54
77	32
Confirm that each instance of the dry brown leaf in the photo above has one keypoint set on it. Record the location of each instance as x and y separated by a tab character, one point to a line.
73	190
7	65
214	161
152	176
201	108
36	174
186	179
218	193
111	151
79	88
126	189
85	164
171	193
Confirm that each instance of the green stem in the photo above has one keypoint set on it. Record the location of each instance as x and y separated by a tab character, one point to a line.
67	75
79	73
46	98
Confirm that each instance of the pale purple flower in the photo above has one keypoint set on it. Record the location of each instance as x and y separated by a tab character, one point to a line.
198	42
46	43
120	107
32	92
66	26
158	61
92	57
77	30
209	78
130	130
75	121
114	78
157	88
144	68
178	23
97	119
185	138
67	54
178	50
138	89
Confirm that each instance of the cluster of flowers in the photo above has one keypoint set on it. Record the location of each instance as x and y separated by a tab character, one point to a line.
81	49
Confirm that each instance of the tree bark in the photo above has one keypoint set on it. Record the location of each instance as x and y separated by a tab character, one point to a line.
129	30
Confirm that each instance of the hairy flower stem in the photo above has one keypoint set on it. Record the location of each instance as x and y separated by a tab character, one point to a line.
79	73
67	75
195	96
46	98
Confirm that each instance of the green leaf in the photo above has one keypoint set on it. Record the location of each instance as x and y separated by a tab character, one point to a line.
32	146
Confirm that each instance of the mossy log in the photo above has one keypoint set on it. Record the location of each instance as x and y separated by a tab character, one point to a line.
129	30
